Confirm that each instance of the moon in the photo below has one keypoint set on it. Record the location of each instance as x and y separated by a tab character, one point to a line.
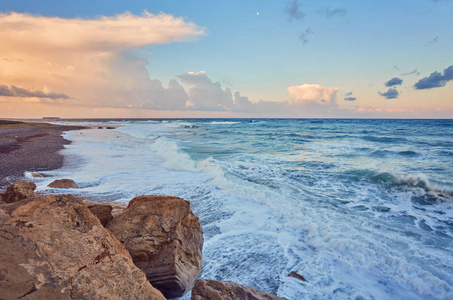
258	13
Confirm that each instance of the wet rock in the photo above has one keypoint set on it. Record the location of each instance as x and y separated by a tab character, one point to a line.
18	191
35	174
298	276
63	184
164	239
227	290
55	248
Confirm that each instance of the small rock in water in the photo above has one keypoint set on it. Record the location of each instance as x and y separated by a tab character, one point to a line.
35	174
298	276
63	184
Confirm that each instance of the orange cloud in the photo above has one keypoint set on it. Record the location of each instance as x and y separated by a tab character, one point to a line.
89	60
121	32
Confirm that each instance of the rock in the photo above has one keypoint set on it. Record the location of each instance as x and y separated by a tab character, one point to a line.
63	184
102	212
164	239
298	276
19	191
55	248
35	174
227	290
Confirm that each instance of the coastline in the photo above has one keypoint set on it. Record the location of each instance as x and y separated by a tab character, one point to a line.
30	147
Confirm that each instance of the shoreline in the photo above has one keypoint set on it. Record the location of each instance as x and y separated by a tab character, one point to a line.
31	147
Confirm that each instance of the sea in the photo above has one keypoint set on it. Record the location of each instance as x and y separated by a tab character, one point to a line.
361	208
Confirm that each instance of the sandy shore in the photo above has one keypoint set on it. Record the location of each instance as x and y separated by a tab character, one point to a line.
30	148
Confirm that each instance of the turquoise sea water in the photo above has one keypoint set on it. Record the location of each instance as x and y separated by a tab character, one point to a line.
363	209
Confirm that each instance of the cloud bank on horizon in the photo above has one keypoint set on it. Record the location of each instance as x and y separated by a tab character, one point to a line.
93	62
14	91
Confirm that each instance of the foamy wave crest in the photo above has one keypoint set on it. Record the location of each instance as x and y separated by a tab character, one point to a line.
175	158
412	181
224	122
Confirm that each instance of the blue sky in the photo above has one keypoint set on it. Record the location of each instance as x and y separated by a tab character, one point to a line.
262	48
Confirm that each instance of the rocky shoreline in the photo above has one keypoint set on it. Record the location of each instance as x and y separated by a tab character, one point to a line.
61	247
30	146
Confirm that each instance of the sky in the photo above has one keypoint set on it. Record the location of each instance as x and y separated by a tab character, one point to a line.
223	59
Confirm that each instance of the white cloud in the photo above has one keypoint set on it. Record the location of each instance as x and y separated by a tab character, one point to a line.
206	95
313	93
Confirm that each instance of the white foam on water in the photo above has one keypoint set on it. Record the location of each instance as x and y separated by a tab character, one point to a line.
224	122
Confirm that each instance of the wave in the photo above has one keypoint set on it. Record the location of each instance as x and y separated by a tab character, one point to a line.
408	153
176	158
410	181
383	139
445	153
381	153
385	153
224	122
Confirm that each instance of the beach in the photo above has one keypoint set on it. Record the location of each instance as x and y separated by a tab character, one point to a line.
33	147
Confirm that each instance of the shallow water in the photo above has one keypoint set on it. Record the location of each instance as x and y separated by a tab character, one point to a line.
363	209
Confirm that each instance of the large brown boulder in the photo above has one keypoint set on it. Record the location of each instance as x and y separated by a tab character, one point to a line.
18	191
54	248
63	184
164	239
227	290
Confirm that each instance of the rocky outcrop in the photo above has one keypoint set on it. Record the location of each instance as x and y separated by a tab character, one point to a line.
227	290
18	191
54	248
164	239
63	184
